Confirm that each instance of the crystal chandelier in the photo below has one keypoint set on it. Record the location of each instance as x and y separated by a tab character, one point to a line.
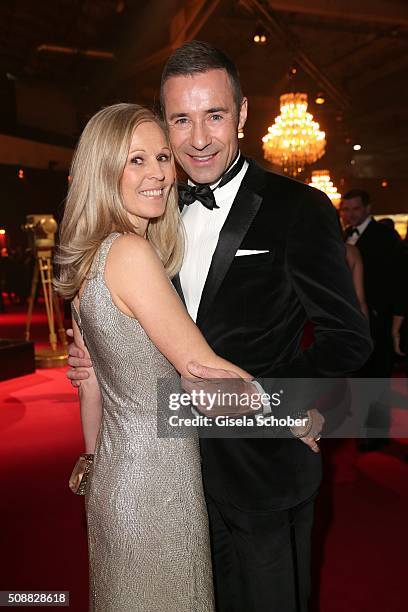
321	180
294	140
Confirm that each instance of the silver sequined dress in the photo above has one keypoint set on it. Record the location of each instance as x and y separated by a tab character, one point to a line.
147	520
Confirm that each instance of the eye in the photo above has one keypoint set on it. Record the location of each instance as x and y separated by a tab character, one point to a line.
163	157
216	117
181	121
137	160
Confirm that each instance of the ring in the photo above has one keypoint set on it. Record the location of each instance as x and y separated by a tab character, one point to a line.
318	438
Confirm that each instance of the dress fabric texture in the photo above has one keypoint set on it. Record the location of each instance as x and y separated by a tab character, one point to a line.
147	520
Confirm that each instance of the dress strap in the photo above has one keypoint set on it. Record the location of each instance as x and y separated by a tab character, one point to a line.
98	267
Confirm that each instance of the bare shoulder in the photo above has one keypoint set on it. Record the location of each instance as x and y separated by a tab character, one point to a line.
352	252
130	250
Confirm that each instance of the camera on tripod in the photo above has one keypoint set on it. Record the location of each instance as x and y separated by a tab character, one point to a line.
41	230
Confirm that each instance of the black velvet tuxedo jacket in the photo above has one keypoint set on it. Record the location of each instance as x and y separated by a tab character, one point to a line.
252	312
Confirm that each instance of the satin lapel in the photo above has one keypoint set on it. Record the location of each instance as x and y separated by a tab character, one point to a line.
176	279
177	285
241	215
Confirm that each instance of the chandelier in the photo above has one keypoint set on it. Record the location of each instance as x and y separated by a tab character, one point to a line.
321	180
294	139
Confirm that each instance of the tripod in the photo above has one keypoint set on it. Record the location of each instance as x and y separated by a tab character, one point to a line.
43	269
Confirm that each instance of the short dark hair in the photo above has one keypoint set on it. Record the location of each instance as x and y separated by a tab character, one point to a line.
197	57
358	193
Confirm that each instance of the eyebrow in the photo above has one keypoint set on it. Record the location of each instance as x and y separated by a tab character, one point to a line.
138	150
216	109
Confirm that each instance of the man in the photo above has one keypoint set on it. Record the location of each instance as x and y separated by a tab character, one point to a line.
378	247
263	254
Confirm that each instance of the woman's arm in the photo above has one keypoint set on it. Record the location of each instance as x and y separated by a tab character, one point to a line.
357	271
140	288
90	399
397	321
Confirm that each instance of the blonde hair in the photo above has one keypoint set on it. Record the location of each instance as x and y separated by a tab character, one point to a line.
94	206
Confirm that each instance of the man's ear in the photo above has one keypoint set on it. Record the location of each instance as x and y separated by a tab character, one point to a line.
243	111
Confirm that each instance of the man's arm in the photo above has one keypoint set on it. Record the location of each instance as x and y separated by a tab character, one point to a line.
322	282
90	400
79	361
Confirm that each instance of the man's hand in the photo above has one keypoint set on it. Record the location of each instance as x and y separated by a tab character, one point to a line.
211	384
313	435
79	361
205	380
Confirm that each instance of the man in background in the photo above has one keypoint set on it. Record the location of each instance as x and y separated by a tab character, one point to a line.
378	247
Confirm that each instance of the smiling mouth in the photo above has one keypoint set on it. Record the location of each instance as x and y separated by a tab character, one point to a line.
152	193
202	159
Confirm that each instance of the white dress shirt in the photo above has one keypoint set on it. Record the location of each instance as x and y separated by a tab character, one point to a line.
354	237
203	228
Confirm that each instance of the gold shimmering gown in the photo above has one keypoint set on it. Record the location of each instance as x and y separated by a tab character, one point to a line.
147	521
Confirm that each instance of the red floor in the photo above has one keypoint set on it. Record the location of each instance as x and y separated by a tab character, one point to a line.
360	540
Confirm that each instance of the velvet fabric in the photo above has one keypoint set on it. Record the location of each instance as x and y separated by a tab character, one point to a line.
253	310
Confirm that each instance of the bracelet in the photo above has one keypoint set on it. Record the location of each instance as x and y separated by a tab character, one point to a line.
88	457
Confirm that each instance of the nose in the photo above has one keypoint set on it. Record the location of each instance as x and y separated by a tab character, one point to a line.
200	136
155	170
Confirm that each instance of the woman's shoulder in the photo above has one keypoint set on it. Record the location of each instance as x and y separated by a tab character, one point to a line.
130	249
353	254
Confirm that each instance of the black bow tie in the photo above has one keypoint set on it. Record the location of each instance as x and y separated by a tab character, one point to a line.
350	231
203	192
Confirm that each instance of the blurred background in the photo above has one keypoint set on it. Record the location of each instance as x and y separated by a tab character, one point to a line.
62	60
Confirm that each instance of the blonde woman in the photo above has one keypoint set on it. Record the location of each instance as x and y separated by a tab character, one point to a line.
120	242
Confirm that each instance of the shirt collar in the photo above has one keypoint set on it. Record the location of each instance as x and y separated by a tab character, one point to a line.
363	225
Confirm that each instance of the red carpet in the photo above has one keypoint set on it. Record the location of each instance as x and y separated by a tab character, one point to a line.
360	540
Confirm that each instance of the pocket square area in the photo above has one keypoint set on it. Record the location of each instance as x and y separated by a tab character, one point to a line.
242	252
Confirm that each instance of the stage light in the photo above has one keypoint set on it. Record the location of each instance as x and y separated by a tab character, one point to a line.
357	147
320	99
384	183
2	232
20	173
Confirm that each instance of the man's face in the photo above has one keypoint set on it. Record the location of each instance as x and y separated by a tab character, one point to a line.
203	123
353	212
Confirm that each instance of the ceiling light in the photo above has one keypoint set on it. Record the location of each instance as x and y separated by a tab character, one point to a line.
321	180
260	37
294	139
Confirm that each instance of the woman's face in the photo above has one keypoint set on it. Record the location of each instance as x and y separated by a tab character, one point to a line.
148	175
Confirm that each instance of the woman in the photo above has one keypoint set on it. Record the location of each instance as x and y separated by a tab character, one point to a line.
120	242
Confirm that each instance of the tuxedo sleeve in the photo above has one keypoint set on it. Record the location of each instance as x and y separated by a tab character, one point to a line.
321	280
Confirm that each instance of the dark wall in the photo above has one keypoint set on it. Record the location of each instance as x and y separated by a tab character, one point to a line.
40	191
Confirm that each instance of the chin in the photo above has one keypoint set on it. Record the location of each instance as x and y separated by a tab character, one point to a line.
205	176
